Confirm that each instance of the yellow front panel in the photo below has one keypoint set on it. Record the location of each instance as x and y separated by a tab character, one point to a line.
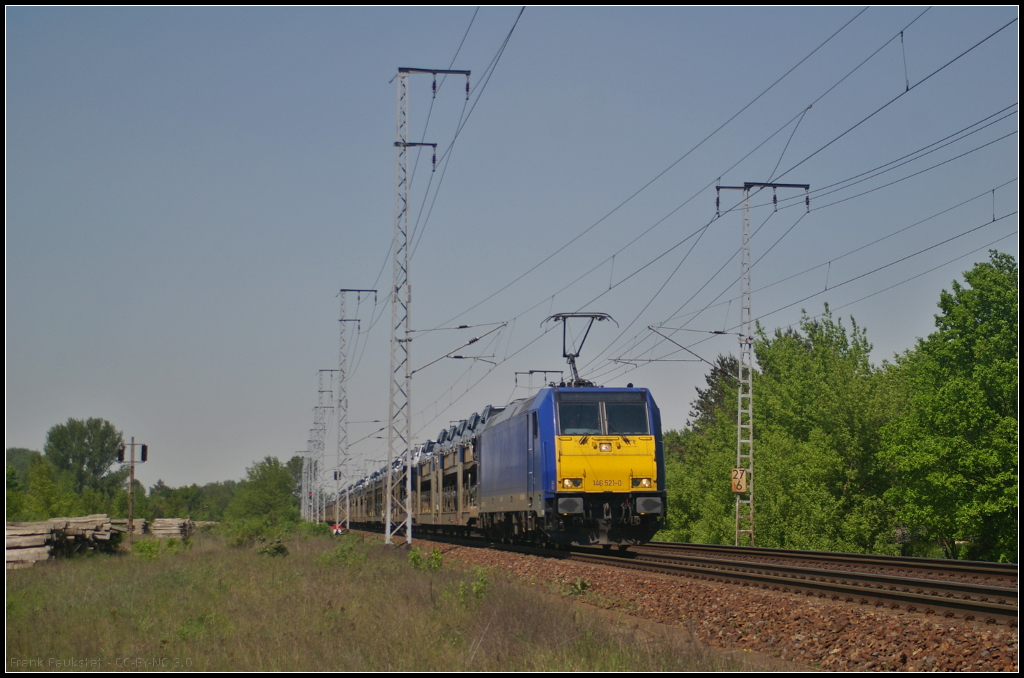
606	463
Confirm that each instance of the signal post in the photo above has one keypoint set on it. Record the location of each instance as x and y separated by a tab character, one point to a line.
144	454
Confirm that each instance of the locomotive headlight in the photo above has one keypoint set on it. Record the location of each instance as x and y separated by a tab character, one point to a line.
569	483
641	482
606	447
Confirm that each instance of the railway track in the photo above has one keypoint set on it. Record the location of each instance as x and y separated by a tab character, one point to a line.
914	585
967	571
843	578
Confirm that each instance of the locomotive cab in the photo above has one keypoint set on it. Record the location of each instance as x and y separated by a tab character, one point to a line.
608	467
578	465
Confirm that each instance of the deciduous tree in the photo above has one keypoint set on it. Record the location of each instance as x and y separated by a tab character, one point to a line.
88	451
953	456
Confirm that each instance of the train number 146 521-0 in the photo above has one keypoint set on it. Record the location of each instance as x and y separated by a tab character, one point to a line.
607	483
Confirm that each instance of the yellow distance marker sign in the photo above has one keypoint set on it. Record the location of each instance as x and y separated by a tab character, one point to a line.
739	480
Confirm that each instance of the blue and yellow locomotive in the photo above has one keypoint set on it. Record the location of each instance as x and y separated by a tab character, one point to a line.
574	465
570	465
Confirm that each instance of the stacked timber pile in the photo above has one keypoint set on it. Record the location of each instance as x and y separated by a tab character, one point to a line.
28	542
121	525
171	527
81	534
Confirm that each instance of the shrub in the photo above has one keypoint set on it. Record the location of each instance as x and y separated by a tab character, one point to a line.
578	587
307	530
431	562
148	549
350	552
273	549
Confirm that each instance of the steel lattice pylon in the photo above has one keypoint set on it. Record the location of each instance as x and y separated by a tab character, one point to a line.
743	472
400	376
342	411
745	399
341	470
318	434
399	415
304	488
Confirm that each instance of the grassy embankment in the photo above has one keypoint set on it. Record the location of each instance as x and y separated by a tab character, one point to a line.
345	605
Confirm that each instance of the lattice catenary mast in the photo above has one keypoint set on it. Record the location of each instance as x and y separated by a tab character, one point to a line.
341	470
743	473
316	444
400	378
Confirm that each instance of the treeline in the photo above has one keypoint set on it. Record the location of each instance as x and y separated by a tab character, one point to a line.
78	474
913	457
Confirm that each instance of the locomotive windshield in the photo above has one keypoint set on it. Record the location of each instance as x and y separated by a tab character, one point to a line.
580	419
626	419
589	414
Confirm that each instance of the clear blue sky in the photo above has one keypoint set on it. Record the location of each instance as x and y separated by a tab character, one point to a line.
188	188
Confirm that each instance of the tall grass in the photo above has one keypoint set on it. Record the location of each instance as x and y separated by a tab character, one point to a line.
330	604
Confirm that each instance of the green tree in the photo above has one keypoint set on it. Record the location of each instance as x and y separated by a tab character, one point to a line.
119	503
14	495
719	396
216	497
697	463
819	409
21	458
265	497
700	504
87	450
295	468
51	493
953	455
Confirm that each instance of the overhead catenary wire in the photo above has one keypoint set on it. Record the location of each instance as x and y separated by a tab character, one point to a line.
850	252
445	156
430	110
917	223
635	239
886	266
656	178
629	363
711	183
842	184
893	263
375	318
829	205
901	94
759	259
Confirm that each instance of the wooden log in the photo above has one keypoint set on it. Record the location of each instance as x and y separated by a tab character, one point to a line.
92	518
28	524
28	528
27	540
39	553
28	533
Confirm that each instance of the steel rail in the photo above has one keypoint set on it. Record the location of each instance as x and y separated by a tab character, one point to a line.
973	569
753	574
911	597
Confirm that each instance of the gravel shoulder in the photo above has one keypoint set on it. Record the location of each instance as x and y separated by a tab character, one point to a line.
763	630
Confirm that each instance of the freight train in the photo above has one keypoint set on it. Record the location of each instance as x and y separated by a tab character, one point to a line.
569	465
